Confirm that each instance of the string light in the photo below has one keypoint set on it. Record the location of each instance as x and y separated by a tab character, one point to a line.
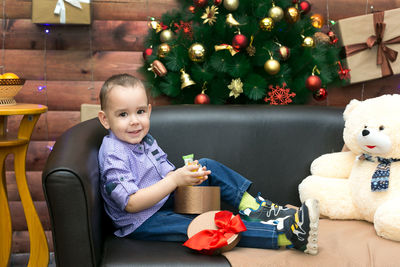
41	87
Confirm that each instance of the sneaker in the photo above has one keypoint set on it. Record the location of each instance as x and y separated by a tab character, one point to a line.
302	228
267	212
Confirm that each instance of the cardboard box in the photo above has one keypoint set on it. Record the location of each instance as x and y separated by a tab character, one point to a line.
61	11
357	34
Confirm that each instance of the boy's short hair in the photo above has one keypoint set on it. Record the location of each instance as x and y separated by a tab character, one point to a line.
124	79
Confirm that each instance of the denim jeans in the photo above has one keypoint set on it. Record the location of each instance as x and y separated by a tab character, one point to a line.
166	225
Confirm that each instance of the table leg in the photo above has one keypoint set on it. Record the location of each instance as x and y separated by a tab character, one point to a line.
5	217
39	251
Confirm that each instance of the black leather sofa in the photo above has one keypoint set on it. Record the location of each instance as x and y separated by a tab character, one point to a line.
272	146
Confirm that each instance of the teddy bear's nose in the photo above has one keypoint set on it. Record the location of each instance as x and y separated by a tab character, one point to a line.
365	132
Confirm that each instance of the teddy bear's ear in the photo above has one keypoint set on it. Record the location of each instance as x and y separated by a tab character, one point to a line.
350	107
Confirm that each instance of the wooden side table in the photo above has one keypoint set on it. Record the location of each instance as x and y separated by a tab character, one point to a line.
18	145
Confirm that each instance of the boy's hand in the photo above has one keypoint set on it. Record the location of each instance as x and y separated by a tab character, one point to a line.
189	175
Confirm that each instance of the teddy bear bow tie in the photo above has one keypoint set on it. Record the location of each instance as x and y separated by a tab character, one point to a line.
380	178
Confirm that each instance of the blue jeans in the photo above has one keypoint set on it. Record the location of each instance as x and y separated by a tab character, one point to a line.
166	225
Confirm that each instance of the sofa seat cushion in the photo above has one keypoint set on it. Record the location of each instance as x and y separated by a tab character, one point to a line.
341	243
128	252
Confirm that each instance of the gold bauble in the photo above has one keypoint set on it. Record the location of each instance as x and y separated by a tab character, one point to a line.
272	66
292	15
267	24
231	5
317	21
163	50
276	13
166	35
197	52
308	42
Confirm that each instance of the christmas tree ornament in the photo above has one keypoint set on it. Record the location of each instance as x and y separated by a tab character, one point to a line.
272	66
200	3
332	37
279	95
236	87
251	50
166	35
320	95
197	52
163	50
192	9
313	83
343	72
147	52
267	24
284	52
202	98
186	81
231	5
217	2
154	24
308	42
209	15
226	47
239	41
158	68
186	27
317	21
305	7
231	21
321	38
276	13
292	15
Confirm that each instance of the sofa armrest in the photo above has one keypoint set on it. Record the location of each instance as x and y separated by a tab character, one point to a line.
75	208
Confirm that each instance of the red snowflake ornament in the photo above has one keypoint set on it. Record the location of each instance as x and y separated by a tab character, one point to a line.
343	72
279	95
186	27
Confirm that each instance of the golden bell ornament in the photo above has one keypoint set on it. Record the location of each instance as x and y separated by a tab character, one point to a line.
231	21
197	52
272	66
231	5
267	24
292	15
163	50
155	25
166	36
276	13
317	21
308	42
186	80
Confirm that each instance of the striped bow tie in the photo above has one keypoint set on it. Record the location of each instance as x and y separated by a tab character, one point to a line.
380	178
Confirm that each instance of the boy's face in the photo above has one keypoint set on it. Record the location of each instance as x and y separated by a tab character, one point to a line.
127	113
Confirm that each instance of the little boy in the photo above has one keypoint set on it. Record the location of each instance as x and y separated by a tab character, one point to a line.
137	182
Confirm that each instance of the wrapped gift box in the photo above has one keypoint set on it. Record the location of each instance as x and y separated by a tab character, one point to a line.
61	11
197	199
365	38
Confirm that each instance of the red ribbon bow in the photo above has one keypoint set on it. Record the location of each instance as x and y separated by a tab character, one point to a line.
207	241
384	53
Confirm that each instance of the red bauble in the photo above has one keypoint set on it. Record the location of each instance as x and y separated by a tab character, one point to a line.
239	42
147	52
305	7
313	83
217	2
192	9
320	94
200	3
202	99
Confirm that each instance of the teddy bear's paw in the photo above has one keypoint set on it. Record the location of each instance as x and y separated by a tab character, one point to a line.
386	220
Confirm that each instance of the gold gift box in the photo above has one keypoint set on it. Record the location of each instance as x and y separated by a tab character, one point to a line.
43	12
357	30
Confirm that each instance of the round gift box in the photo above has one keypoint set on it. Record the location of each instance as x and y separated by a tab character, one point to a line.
197	199
206	221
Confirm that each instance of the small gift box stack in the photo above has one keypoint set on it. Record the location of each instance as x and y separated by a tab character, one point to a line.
61	12
371	43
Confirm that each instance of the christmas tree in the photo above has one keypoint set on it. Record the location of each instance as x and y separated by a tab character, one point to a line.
241	52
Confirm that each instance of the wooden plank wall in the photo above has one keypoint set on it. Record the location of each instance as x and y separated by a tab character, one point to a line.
73	61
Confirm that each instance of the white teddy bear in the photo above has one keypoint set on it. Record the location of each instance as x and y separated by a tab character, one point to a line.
363	183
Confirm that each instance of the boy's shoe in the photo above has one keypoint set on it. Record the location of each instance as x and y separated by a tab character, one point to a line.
302	228
267	212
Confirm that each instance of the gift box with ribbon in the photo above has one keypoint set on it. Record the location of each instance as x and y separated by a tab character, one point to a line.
371	43
61	11
214	232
